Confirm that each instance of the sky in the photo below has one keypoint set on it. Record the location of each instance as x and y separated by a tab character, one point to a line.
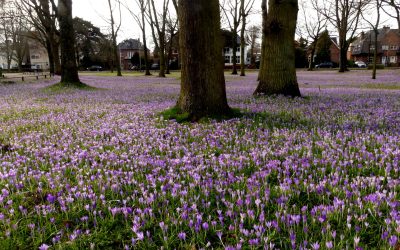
97	12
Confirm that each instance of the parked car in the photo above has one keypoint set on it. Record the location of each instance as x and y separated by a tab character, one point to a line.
155	66
324	65
360	64
95	68
134	67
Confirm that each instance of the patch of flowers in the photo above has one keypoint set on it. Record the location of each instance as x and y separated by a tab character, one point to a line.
100	169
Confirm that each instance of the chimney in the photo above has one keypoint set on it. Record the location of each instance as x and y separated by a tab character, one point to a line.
362	35
386	28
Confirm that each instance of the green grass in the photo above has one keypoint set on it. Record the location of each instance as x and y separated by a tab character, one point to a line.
183	117
174	74
62	87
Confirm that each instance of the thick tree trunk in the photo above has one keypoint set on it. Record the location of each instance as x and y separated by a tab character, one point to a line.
50	55
117	57
278	74
343	58
146	57
69	70
56	57
162	58
203	83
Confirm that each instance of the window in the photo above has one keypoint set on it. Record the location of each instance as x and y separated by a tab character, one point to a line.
237	59
35	57
385	47
370	59
227	50
130	54
394	47
383	59
227	59
393	59
238	49
372	47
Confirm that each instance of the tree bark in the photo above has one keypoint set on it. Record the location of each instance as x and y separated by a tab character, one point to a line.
50	55
146	55
242	41
264	31
343	56
116	54
278	74
234	47
311	62
202	84
69	70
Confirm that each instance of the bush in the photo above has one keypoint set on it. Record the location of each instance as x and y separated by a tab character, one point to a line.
378	66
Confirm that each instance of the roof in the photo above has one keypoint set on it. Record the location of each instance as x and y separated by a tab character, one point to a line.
130	44
362	44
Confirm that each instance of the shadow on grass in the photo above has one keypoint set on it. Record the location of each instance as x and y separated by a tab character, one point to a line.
63	87
184	117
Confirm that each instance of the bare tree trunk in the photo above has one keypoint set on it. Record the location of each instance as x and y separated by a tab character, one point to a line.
242	42
202	84
264	31
146	55
56	57
343	56
311	62
114	32
234	47
278	75
161	73
375	54
69	70
50	55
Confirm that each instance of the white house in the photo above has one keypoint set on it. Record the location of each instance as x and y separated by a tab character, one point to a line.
228	55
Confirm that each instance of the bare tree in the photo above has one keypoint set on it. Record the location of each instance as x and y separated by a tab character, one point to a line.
395	5
245	8
172	28
40	16
345	16
278	72
158	23
114	33
7	47
253	35
232	12
314	24
377	6
141	21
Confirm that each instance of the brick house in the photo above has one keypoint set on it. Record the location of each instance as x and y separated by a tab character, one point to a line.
388	51
334	51
128	49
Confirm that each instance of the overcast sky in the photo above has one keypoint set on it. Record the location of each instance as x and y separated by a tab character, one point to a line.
96	11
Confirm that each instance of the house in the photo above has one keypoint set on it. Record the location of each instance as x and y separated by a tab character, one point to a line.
39	57
228	50
388	50
129	49
334	52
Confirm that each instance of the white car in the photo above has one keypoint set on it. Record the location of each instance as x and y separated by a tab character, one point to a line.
360	64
